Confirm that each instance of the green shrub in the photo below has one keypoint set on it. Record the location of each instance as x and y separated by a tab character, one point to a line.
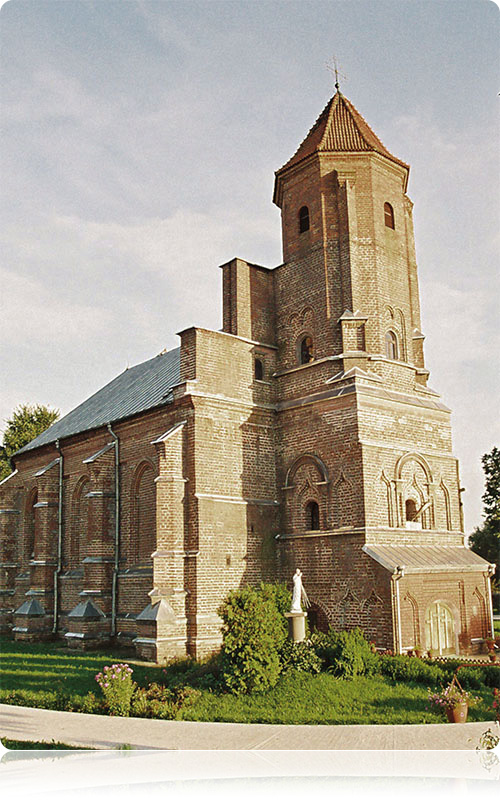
205	674
282	598
471	678
405	668
299	656
253	633
157	701
346	653
39	699
490	674
91	704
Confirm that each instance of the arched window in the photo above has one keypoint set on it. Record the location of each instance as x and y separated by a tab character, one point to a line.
29	551
74	546
258	370
306	350
389	216
391	345
303	219
145	515
410	510
312	516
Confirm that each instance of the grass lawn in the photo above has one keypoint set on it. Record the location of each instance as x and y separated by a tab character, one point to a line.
30	745
324	699
49	669
496	627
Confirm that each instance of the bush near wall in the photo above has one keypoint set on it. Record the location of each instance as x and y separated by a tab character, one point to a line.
253	633
346	653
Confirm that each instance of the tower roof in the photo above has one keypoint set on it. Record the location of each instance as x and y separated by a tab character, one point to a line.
340	128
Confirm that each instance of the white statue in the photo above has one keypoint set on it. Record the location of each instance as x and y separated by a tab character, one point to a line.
299	593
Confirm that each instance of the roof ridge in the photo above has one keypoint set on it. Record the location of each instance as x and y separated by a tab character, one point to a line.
142	387
334	102
358	116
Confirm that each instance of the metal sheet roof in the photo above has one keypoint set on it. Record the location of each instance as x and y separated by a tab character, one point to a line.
426	558
137	389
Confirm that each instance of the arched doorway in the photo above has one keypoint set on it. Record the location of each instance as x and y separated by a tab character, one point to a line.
440	629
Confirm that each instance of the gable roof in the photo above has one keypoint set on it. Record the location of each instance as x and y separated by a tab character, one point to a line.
137	389
340	127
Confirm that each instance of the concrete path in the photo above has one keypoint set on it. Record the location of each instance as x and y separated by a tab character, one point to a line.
100	731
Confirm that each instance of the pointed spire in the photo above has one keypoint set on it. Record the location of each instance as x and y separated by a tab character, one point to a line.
340	128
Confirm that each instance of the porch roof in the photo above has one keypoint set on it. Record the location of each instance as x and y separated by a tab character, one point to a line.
427	558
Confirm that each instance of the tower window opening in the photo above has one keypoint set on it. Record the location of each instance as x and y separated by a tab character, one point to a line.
306	350
391	345
312	516
303	219
389	216
258	370
410	510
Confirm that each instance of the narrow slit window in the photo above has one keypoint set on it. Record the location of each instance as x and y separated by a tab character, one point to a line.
312	516
258	370
303	219
389	216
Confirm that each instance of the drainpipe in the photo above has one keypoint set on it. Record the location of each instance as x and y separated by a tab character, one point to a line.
398	573
491	573
57	571
116	566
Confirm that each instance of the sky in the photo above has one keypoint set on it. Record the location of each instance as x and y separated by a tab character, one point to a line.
139	144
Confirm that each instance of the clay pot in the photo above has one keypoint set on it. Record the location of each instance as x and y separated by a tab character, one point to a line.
419	653
493	657
458	714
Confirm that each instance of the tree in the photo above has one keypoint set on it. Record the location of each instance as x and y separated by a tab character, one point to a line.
26	423
491	497
485	540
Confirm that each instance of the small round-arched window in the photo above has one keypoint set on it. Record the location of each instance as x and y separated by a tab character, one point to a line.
306	350
258	370
312	516
389	216
410	510
303	219
391	345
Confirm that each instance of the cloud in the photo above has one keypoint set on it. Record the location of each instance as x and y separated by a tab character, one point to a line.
31	312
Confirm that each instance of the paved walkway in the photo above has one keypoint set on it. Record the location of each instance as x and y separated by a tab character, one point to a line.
100	731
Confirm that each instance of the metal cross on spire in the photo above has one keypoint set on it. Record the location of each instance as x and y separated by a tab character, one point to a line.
333	67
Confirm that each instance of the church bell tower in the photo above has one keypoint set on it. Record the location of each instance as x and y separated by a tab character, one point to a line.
370	487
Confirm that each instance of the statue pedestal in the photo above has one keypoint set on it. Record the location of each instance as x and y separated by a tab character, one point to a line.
296	626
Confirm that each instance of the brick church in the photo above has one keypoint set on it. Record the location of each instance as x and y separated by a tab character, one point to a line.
303	434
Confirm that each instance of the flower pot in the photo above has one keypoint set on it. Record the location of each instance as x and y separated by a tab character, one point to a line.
419	653
493	657
458	714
